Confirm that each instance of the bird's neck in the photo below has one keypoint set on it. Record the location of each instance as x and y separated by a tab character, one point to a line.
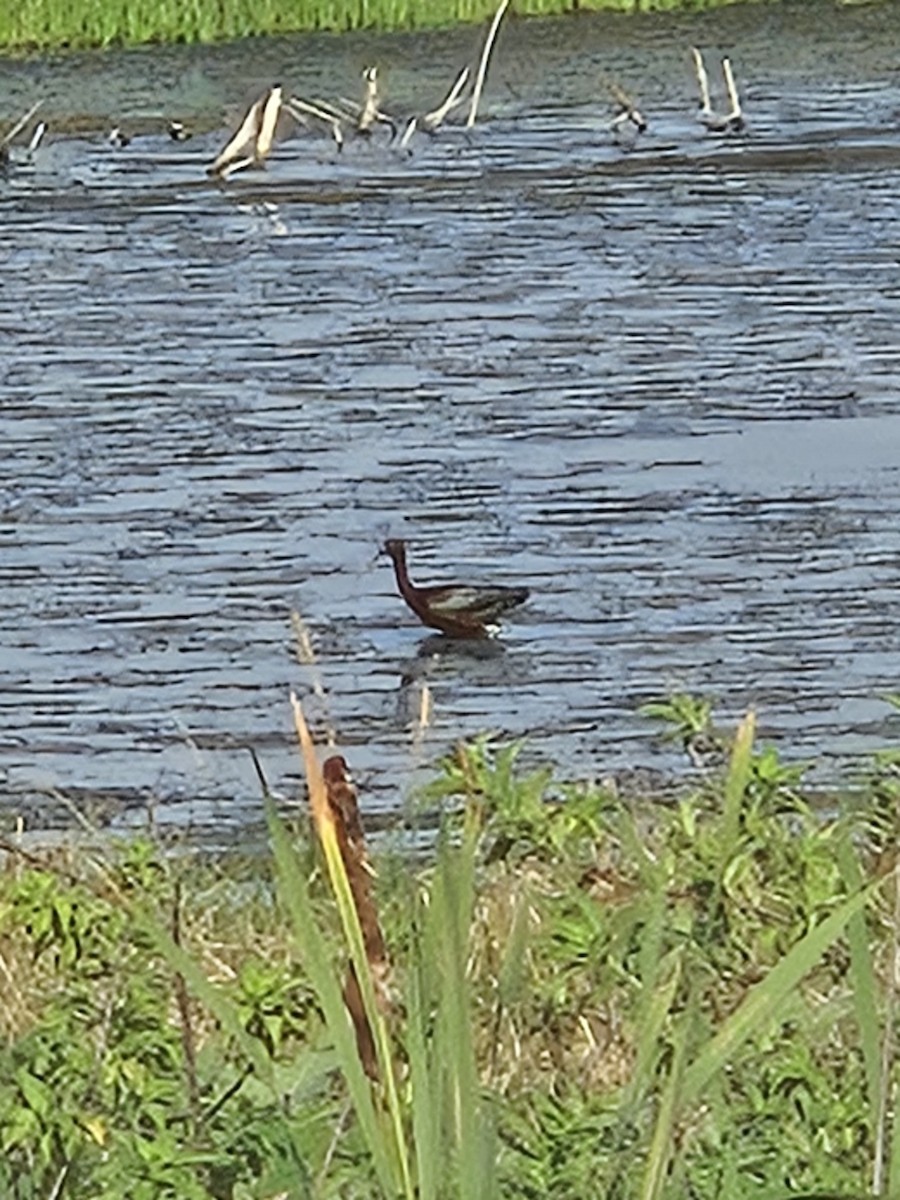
404	583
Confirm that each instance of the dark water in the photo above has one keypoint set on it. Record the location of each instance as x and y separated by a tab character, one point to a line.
660	385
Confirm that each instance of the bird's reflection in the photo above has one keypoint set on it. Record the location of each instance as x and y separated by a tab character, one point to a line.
439	658
442	655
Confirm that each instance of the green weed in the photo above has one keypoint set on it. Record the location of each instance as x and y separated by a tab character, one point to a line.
590	998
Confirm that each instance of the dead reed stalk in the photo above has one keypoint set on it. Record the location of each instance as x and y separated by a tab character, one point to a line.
483	64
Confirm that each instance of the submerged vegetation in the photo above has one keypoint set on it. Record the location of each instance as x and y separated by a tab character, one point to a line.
569	996
53	23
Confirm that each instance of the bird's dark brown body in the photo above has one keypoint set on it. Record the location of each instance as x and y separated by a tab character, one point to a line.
456	609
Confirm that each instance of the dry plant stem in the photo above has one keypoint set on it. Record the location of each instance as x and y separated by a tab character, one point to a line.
255	133
302	108
20	124
333	1145
188	1039
232	150
14	1007
886	1090
483	65
260	773
424	718
268	121
35	860
433	119
703	81
231	1090
71	808
318	801
734	113
306	656
60	1182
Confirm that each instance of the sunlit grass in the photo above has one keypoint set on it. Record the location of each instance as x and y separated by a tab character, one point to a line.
46	23
692	997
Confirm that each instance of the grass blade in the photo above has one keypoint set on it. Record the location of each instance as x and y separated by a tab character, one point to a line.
221	1006
762	1002
736	784
864	980
340	883
319	967
662	1142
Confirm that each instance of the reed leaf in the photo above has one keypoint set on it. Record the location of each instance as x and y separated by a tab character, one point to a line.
654	1008
738	777
444	954
320	968
662	1142
337	873
221	1006
893	1180
424	1095
864	980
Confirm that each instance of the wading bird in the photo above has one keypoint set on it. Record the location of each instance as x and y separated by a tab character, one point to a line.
456	609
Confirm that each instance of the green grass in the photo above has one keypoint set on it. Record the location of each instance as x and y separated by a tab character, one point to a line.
590	998
41	24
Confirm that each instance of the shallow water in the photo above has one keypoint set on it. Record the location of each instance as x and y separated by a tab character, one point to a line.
658	384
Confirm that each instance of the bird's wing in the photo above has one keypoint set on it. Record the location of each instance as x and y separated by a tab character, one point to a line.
474	602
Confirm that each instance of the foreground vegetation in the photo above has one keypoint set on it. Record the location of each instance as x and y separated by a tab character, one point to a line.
54	23
582	998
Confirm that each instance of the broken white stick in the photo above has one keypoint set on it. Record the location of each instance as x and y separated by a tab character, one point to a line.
256	133
369	113
453	99
300	109
483	65
20	124
703	81
735	116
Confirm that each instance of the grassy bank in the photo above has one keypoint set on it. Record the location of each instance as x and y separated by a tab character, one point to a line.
55	23
576	997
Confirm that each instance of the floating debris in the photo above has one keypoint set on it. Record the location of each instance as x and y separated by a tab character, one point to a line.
453	99
253	140
431	121
8	138
300	110
37	137
367	115
733	120
627	111
483	64
178	132
118	138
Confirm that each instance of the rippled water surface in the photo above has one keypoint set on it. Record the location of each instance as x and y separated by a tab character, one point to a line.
659	384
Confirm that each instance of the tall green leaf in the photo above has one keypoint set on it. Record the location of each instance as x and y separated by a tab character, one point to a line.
762	1002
